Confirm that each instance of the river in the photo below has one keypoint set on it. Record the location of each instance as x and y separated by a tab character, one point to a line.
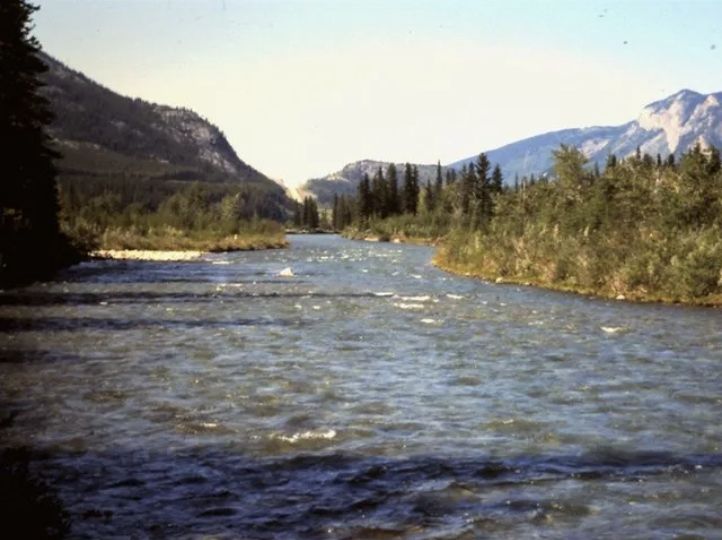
369	395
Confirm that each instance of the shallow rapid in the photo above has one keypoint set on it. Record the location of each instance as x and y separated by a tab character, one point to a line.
361	394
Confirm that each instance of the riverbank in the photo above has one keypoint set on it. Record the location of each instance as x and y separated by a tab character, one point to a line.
396	238
147	255
444	261
171	240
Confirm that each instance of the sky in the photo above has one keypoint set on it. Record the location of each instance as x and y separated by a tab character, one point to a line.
302	87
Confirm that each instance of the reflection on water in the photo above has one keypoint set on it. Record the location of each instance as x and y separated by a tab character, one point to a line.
369	395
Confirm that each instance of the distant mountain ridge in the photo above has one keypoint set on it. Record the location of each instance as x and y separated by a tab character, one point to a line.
101	133
668	126
345	181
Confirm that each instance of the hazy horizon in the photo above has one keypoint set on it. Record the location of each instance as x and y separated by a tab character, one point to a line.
301	88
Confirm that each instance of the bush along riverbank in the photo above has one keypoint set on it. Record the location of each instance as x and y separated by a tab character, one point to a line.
643	229
197	218
400	229
250	237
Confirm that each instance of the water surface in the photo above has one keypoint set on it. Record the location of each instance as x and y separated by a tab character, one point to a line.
368	396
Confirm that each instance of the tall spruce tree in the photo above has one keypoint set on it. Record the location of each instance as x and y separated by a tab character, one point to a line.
379	194
335	213
468	178
439	185
497	180
410	194
30	241
365	204
429	197
481	193
416	189
392	180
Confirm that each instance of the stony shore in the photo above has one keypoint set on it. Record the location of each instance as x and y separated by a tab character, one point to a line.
147	255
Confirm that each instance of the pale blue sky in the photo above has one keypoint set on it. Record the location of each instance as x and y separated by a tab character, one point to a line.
301	87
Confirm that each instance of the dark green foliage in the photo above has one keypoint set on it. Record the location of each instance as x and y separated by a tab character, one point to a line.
411	188
429	198
450	176
365	199
309	214
497	180
380	194
93	208
31	244
427	211
482	204
439	184
643	228
342	215
468	180
394	201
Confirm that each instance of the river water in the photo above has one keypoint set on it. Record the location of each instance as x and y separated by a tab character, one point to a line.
369	395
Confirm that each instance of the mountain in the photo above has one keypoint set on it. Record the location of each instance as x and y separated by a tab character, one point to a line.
671	125
668	126
102	134
346	181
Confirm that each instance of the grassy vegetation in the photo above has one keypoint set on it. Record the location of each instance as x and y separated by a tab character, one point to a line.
407	228
250	236
643	229
133	214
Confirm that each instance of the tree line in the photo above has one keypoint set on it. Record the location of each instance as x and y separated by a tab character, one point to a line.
640	227
306	215
31	243
467	196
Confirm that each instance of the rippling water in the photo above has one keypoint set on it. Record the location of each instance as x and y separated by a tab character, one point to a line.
369	395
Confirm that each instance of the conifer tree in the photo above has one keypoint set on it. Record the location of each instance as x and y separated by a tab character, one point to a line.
416	189
611	161
335	214
306	215
30	240
411	193
298	214
468	179
346	209
314	221
392	181
450	176
713	163
481	194
497	180
379	194
365	205
429	197
439	185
